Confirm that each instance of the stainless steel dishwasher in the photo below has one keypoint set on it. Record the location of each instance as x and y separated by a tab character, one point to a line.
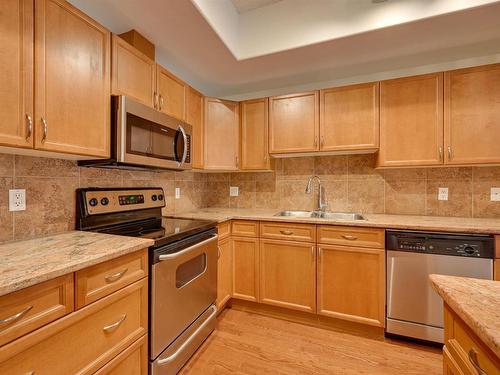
414	309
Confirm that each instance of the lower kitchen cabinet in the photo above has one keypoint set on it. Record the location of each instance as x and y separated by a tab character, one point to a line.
351	284
224	273
246	268
288	274
132	361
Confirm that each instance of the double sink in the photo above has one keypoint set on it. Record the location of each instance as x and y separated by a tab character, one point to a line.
322	215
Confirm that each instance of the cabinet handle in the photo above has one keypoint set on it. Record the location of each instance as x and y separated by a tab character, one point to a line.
349	237
155	100
286	232
473	360
161	102
312	252
114	326
29	124
45	130
115	276
440	153
449	153
322	142
218	252
315	141
237	162
14	317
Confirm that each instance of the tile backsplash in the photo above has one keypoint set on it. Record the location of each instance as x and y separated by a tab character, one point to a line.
351	184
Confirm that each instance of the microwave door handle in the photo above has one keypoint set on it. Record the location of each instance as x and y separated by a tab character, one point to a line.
184	137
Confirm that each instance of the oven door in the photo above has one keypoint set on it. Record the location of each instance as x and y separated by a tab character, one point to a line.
150	138
183	286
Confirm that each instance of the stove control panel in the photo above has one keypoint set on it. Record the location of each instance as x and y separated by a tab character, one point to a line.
102	201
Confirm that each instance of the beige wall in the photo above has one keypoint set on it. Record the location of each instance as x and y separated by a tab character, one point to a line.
351	182
50	192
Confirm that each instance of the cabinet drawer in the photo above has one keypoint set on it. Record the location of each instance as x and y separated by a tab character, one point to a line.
245	228
224	230
83	341
288	231
351	236
103	279
463	345
132	361
28	309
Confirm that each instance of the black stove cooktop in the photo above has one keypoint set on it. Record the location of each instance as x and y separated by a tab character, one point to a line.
134	212
163	230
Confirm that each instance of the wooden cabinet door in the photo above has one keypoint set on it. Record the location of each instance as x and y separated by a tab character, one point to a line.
132	73
224	273
72	103
221	134
472	115
351	284
411	121
254	134
16	73
349	118
294	123
171	93
194	117
288	274
246	268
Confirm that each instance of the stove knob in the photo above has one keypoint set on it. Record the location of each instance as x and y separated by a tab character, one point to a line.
104	201
160	197
154	197
93	202
469	250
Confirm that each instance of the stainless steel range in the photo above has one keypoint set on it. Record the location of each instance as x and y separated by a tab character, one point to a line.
182	262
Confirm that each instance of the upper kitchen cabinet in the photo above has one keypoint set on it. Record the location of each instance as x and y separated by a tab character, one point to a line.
472	115
254	134
72	89
221	134
133	73
194	117
171	93
16	73
294	123
349	118
411	121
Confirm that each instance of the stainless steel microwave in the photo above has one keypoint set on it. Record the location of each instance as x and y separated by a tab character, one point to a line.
144	138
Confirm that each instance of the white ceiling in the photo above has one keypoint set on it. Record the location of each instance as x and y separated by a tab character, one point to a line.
293	45
243	6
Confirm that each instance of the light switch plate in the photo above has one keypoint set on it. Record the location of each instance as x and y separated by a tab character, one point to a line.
177	193
234	191
443	194
495	194
17	200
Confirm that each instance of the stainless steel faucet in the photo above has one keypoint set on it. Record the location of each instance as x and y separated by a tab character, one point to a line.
322	205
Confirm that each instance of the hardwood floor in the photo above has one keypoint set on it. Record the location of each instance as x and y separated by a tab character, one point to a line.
247	343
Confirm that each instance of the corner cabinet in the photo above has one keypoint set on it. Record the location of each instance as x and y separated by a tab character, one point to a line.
254	134
349	118
472	115
411	121
294	123
221	134
194	117
16	73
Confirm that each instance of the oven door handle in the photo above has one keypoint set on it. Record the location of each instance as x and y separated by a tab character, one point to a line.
164	257
190	339
184	137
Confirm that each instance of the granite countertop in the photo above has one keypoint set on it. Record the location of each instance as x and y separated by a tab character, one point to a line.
476	302
29	262
430	223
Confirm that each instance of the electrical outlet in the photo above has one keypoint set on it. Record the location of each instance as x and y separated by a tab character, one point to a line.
177	193
495	194
234	191
443	194
17	200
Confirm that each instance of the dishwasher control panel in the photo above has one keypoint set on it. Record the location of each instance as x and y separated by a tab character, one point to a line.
476	246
